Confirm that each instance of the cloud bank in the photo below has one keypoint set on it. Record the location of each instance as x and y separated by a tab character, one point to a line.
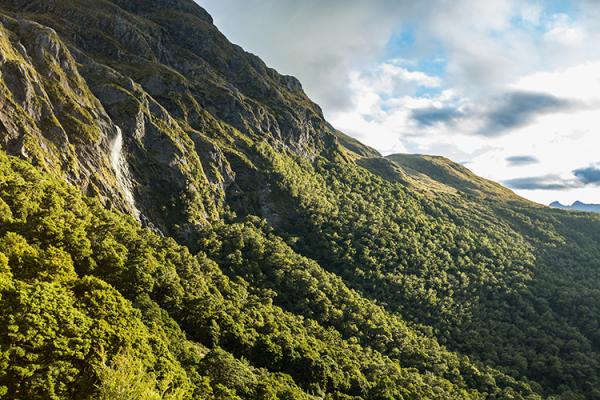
431	115
518	109
521	160
546	182
588	175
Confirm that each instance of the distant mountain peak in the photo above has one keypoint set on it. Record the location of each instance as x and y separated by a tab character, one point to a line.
576	206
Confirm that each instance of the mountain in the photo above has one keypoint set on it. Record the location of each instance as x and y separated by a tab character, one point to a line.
179	221
577	206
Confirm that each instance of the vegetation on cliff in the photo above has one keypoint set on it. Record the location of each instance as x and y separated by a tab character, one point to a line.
272	256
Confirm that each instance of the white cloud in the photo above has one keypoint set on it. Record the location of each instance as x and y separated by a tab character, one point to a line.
531	13
580	81
390	73
562	30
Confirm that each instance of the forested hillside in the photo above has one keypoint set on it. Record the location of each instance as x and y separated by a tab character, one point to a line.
179	221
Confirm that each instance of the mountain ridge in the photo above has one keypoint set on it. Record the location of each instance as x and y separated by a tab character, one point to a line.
577	206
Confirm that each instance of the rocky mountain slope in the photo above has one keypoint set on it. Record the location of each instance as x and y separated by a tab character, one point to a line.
178	220
161	79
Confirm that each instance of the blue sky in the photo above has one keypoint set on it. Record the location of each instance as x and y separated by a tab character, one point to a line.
510	88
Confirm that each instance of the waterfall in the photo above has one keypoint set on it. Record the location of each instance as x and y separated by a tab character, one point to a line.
122	171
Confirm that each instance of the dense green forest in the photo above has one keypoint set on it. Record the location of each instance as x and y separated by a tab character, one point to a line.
179	221
93	303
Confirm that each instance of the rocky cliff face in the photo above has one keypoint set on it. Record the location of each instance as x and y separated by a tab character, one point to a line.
48	113
158	82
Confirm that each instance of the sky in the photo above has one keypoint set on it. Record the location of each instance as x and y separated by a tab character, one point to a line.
509	88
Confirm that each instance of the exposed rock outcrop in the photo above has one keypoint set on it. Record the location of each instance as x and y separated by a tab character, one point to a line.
188	103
